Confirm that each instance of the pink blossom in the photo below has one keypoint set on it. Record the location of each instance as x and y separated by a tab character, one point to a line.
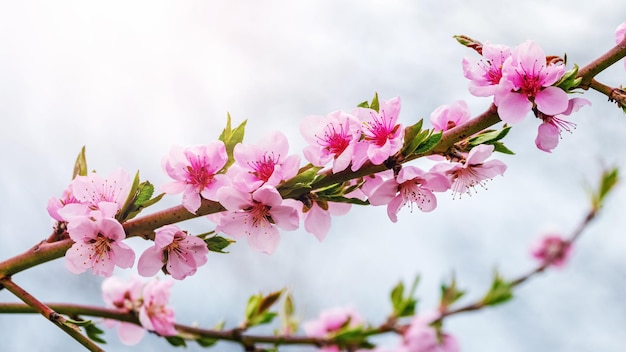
264	163
331	321
98	245
446	117
382	136
55	204
257	215
620	33
126	297
175	252
92	190
413	186
330	137
195	172
552	249
528	84
421	337
485	74
154	314
549	130
474	171
317	218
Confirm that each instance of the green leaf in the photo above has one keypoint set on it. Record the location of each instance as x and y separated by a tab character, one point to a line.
450	293
253	306
489	137
93	332
80	166
501	148
217	243
263	318
206	341
306	175
413	137
404	306
231	137
144	192
341	199
608	181
568	81
429	143
176	341
138	199
500	291
374	105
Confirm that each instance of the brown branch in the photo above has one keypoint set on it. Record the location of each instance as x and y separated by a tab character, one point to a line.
49	314
590	71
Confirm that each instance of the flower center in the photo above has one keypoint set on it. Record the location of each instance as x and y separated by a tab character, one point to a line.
264	168
334	140
379	129
101	245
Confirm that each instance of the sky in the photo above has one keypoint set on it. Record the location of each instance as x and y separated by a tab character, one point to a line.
130	79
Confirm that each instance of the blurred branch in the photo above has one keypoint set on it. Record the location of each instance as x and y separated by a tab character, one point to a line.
49	313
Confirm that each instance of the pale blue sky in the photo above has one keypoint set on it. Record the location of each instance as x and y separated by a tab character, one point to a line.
129	79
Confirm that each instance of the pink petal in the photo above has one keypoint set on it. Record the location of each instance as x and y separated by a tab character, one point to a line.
285	217
124	255
513	107
130	334
267	195
76	258
234	224
317	221
264	239
547	137
173	187
394	207
552	101
479	153
112	229
384	193
150	262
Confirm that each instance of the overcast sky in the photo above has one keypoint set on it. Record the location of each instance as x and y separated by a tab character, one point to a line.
130	79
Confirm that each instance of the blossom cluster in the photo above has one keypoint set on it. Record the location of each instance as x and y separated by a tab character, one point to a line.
148	301
522	80
91	208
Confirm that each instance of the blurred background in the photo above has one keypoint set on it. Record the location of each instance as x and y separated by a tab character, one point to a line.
130	79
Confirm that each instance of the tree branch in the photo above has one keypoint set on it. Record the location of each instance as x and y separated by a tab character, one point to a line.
49	313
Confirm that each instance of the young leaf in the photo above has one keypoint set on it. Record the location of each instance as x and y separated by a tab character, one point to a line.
607	183
450	293
489	137
206	341
375	105
429	143
217	243
413	136
93	332
501	148
231	137
80	166
176	341
404	305
500	291
269	301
